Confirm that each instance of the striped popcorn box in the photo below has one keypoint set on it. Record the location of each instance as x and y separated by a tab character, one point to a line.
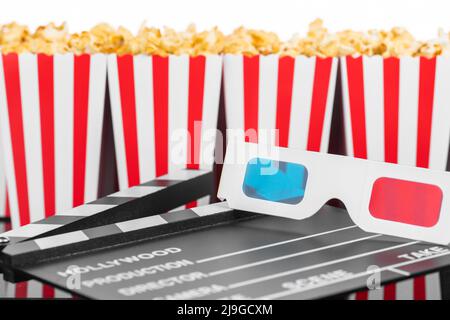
165	112
27	289
30	290
402	290
51	119
283	100
398	110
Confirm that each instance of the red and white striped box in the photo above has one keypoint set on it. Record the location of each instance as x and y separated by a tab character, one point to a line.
398	110
164	112
28	289
289	99
31	289
51	120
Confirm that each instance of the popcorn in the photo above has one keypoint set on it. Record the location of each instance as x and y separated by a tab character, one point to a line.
396	42
191	42
103	38
147	41
13	37
439	46
208	42
79	43
318	42
251	42
49	39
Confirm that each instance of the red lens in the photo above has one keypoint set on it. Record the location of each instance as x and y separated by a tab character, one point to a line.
406	201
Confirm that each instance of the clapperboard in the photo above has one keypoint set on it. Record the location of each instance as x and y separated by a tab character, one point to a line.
124	246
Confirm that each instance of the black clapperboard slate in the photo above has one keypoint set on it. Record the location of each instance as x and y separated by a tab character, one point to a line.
153	197
257	257
214	252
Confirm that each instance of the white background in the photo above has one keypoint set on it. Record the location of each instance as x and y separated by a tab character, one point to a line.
422	17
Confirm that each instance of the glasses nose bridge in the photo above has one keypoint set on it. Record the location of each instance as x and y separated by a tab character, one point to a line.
347	176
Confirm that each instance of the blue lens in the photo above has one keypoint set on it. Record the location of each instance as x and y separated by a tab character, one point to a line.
275	181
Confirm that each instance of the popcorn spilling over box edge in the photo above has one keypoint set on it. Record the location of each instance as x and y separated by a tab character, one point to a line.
55	149
51	110
165	94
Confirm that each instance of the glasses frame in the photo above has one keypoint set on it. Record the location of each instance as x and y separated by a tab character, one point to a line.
331	176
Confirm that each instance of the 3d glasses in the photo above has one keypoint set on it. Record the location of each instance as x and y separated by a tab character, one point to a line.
380	197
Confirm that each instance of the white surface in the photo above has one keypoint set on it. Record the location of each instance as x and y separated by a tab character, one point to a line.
178	111
63	126
233	78
301	102
211	96
374	102
440	129
407	110
8	157
144	117
283	16
32	134
267	98
97	87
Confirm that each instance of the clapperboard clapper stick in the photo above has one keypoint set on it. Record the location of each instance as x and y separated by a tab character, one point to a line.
150	198
35	251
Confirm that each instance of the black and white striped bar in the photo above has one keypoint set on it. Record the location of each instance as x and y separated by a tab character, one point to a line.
153	197
53	247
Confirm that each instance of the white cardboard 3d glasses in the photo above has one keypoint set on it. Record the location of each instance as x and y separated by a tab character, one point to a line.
380	197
